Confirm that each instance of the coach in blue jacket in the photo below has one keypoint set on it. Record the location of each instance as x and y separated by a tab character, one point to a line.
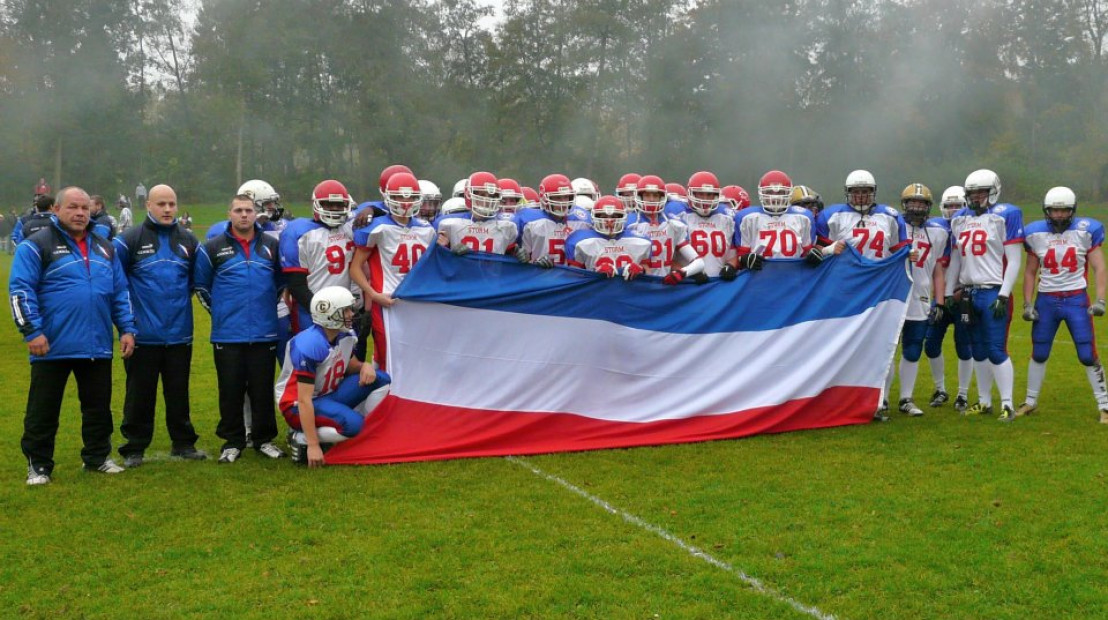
66	290
158	257
238	276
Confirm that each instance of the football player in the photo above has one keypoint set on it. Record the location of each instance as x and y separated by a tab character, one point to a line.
875	230
324	391
430	200
772	230
511	195
711	224
543	231
931	247
390	246
267	204
479	229
608	248
953	200
806	197
625	190
669	236
737	196
1060	249
985	263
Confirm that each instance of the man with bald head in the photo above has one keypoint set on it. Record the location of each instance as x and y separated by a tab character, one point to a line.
66	290
158	256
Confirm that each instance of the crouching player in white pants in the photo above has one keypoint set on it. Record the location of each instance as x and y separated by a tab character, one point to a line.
325	392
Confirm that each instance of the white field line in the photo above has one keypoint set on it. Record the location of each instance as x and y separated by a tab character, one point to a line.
756	584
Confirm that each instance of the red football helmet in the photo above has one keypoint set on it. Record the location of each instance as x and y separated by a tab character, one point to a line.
530	195
773	192
511	194
609	216
482	195
625	189
650	194
704	192
402	194
556	195
737	196
676	191
387	173
331	203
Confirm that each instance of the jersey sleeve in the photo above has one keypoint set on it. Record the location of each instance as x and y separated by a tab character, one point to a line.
1096	234
1013	225
289	249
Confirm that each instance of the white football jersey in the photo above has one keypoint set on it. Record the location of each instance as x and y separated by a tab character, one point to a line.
494	236
786	236
667	236
393	249
711	236
541	235
591	250
980	240
1063	257
308	354
875	235
932	242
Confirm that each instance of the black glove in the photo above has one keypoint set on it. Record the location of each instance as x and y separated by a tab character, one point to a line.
751	261
1000	307
674	277
937	314
728	273
814	256
460	250
700	278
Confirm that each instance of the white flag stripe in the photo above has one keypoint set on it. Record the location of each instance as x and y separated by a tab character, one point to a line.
610	372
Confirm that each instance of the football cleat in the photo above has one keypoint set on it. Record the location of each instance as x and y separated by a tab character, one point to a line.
939	398
909	407
881	415
1026	409
960	403
1007	414
979	409
270	450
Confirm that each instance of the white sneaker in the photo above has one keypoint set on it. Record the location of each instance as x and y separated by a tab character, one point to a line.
271	450
907	406
107	467
35	477
229	455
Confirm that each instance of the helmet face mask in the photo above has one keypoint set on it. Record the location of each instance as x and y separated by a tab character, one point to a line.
402	195
267	202
953	201
804	197
861	191
511	194
982	190
482	195
331	203
916	202
625	190
773	192
333	308
650	195
609	216
432	200
704	193
556	195
1059	208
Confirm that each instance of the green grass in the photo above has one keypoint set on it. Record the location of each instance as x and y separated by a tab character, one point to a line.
941	516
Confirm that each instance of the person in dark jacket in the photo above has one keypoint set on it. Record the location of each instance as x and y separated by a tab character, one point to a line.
39	218
101	217
238	278
158	257
66	290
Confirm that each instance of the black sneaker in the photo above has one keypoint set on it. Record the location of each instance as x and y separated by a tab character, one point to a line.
881	415
188	453
907	406
939	398
961	404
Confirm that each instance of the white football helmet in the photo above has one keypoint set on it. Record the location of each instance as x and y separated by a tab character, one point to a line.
861	190
432	200
583	202
460	188
982	180
953	201
1060	198
457	204
267	201
585	187
329	307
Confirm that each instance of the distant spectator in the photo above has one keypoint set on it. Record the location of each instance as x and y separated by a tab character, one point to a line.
6	228
140	194
125	221
34	221
42	188
66	316
101	217
186	220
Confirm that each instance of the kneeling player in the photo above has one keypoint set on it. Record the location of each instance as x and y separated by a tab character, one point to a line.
324	392
609	248
1060	249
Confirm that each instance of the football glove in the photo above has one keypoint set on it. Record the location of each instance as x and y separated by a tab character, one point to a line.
460	250
814	256
751	261
523	255
632	271
700	278
674	277
999	307
1030	313
1097	309
728	273
607	270
936	314
545	262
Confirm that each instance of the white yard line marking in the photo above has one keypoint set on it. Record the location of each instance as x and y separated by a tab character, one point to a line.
756	584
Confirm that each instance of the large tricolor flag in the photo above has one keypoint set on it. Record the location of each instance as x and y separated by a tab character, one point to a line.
491	357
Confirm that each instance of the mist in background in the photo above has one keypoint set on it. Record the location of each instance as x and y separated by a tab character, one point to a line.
205	94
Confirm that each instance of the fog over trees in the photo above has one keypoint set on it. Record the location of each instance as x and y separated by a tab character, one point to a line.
204	94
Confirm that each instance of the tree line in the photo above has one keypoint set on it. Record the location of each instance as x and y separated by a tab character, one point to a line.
203	95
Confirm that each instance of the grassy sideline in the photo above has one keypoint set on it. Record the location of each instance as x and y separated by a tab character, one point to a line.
941	516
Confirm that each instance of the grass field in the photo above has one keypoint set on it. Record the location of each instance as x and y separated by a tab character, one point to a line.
937	517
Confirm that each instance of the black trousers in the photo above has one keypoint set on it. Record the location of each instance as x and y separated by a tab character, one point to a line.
44	406
172	363
245	369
